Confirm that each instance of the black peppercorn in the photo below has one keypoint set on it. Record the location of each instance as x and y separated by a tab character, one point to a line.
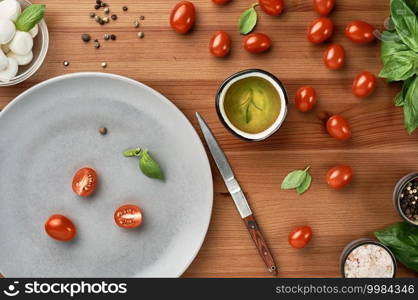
85	37
125	8
113	37
97	6
98	1
114	17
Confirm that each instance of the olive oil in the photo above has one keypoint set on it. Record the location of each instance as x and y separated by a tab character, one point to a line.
252	104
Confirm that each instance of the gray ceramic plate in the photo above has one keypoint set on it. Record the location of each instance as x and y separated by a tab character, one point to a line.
50	131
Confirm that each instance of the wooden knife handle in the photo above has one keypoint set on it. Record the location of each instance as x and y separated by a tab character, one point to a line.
260	243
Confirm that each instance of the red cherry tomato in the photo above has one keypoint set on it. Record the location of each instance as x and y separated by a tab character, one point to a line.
128	216
305	98
220	44
360	32
364	84
339	176
323	7
300	236
320	30
61	228
338	128
183	16
272	7
334	56
220	2
257	42
84	182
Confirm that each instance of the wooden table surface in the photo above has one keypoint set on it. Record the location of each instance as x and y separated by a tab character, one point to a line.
180	67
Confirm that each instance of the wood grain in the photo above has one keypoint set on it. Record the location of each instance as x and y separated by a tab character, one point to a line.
180	67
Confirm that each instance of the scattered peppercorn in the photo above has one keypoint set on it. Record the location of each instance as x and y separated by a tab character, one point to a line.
103	4
141	35
106	36
125	8
96	44
92	15
106	10
97	6
101	22
114	17
66	63
136	24
104	65
103	130
85	37
142	17
97	18
106	19
408	201
98	1
113	37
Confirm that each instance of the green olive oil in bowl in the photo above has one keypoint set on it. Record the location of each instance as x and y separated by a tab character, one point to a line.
252	104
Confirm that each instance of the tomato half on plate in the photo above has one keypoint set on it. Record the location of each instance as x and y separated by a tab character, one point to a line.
84	182
60	227
128	216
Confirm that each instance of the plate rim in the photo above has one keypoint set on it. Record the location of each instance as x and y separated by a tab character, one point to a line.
19	98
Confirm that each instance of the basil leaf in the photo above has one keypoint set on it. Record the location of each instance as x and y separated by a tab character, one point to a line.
411	106
391	44
400	97
149	166
402	240
304	186
406	23
413	5
294	179
400	66
247	20
132	152
31	16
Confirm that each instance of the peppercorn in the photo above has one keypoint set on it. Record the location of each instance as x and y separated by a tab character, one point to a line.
98	1
103	4
66	63
142	17
140	34
409	201
92	15
96	44
114	17
106	10
104	65
103	130
85	37
106	19
97	6
113	37
101	22
136	24
125	8
106	36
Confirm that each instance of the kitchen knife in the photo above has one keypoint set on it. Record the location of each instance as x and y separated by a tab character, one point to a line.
237	195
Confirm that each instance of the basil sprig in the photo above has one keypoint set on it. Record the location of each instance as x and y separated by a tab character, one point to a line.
402	240
147	164
248	20
399	53
31	16
298	179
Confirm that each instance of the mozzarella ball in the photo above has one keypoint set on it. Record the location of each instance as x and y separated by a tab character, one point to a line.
34	31
9	9
3	61
10	72
22	60
21	43
7	30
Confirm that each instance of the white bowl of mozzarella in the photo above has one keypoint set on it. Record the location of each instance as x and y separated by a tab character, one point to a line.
21	53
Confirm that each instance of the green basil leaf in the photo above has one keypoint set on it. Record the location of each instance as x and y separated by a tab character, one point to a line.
247	20
31	16
400	66
411	106
294	179
391	44
132	152
400	97
406	23
413	5
149	166
402	240
304	186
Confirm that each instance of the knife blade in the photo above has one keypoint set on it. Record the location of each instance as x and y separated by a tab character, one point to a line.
237	194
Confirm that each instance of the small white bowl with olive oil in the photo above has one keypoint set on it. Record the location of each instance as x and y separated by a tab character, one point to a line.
252	104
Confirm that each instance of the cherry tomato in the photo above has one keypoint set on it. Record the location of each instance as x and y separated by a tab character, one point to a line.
84	182
183	16
305	98
320	30
128	216
338	128
220	44
339	176
220	2
257	42
360	32
334	56
323	7
272	7
300	236
364	84
61	228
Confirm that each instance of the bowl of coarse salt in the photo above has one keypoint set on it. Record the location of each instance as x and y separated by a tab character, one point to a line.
23	43
367	258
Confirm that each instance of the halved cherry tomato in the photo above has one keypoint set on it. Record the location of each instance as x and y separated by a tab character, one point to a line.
334	56
320	30
257	42
364	84
84	182
61	228
220	44
360	32
339	176
128	216
323	7
272	7
338	128
305	98
300	236
183	16
220	2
